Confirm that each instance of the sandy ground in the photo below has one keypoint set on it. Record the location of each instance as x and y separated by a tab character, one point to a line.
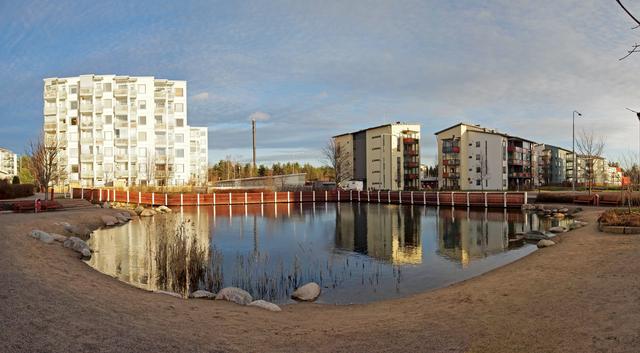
582	295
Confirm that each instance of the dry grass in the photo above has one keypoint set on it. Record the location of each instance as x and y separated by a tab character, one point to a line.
621	217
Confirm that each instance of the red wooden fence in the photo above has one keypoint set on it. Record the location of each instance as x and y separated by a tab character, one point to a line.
472	199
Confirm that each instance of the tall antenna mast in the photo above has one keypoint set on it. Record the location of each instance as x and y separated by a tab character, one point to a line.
253	130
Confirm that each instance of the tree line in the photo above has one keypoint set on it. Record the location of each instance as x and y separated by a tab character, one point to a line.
228	169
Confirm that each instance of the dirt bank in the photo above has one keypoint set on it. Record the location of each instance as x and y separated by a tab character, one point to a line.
582	295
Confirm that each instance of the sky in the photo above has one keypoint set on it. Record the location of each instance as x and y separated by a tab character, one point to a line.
308	70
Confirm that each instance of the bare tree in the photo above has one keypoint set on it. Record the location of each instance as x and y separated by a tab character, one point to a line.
337	158
628	162
44	163
590	148
636	47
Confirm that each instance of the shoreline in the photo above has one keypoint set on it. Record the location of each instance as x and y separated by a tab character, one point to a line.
500	310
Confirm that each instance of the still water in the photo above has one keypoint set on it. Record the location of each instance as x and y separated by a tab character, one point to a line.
356	252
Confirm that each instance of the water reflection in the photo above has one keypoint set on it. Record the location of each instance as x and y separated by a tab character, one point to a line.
358	252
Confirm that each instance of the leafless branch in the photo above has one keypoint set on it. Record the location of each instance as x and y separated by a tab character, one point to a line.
635	48
339	160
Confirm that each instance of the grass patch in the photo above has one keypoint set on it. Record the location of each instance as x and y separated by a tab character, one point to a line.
621	217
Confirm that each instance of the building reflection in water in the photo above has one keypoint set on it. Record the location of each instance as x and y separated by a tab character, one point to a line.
385	232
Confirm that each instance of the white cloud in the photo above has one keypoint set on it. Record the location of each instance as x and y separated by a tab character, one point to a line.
259	116
200	97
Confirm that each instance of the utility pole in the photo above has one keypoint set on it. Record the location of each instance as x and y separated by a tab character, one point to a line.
253	130
575	161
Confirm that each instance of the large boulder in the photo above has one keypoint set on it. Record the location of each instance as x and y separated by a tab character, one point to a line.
42	236
122	219
202	294
163	209
81	231
557	229
138	210
126	215
234	294
265	305
147	212
308	292
78	245
535	235
558	215
109	220
544	243
58	237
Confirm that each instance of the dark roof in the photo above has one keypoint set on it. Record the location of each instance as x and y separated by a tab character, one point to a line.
375	127
480	129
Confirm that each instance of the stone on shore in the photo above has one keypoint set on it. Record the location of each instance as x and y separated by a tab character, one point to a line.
122	219
78	245
77	230
558	215
138	210
58	237
42	236
173	294
544	243
557	229
202	294
234	294
109	220
535	235
163	209
147	212
265	305
308	292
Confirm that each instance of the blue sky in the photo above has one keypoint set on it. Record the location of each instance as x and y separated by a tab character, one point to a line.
313	69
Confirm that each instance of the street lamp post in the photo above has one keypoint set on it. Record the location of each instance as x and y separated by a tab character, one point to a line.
637	115
575	161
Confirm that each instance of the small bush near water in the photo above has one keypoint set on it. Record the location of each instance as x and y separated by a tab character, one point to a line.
12	191
621	217
554	197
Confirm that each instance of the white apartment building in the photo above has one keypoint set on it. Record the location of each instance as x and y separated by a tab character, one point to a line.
123	130
8	164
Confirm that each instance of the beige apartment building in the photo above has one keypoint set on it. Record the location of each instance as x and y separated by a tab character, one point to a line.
124	130
385	157
8	164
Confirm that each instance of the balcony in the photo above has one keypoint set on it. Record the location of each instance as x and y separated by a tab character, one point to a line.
121	109
62	94
62	127
133	93
50	127
451	175
86	107
86	91
133	124
121	123
99	140
160	126
161	159
451	149
411	152
86	157
171	96
411	164
161	142
50	110
519	175
88	140
160	110
62	143
160	95
86	125
122	173
450	162
98	108
120	92
121	158
98	92
87	174
411	176
409	141
62	110
133	141
98	125
121	142
51	94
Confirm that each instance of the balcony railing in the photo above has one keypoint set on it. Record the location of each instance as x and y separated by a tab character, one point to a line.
409	140
62	110
160	126
62	94
160	95
411	152
50	110
411	176
133	93
98	125
121	142
86	107
120	92
87	174
86	140
450	162
161	159
411	164
121	123
122	173
86	125
121	158
86	91
62	127
98	92
122	109
450	149
50	94
99	108
161	142
86	157
50	126
451	175
171	96
160	110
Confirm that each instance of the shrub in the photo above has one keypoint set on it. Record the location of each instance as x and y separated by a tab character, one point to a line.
12	191
620	217
16	180
554	197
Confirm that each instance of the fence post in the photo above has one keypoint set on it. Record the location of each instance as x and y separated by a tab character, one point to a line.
166	200
275	197
82	192
181	200
468	199
301	198
338	195
100	196
326	195
368	196
424	198
214	198
71	193
288	198
153	198
261	197
485	200
139	197
389	196
245	198
314	196
412	197
108	195
198	199
128	197
378	196
230	199
437	198
400	197
505	199
350	195
452	202
526	198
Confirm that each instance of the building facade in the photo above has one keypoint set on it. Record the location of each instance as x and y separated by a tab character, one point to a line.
551	165
471	157
124	130
385	157
8	164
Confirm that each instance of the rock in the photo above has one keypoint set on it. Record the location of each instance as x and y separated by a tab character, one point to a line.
122	219
580	223
202	294
563	210
77	230
535	235
173	294
106	205
558	215
545	243
265	305
78	245
308	292
138	210
164	209
109	220
126	215
42	236
234	294
557	230
58	237
147	212
528	206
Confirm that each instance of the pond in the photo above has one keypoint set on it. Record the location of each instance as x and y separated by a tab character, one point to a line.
357	252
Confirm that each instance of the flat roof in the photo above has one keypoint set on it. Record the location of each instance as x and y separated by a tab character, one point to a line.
376	127
479	128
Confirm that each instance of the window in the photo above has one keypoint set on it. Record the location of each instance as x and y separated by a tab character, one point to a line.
504	170
179	122
504	183
73	104
142	104
142	152
179	107
106	103
74	121
74	168
107	87
179	138
179	92
142	136
142	120
108	119
478	170
477	143
73	89
142	88
180	153
477	157
161	151
158	119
